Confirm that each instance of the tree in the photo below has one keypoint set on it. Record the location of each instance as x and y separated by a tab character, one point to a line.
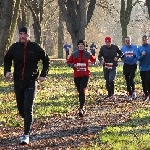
36	8
148	5
77	14
60	35
125	13
6	11
13	22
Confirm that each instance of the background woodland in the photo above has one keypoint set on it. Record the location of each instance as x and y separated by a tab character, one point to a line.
51	23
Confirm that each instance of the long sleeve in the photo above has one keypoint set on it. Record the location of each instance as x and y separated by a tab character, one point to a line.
70	61
92	58
45	61
139	54
119	53
100	55
8	59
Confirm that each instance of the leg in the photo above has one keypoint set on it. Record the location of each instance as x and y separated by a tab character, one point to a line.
77	84
143	78
127	78
67	54
132	83
83	85
112	75
148	81
19	92
106	77
29	93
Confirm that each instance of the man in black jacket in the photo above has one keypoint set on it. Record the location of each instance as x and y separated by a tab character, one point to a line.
108	56
25	56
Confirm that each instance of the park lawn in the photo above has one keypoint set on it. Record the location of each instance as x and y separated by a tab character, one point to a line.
132	135
58	96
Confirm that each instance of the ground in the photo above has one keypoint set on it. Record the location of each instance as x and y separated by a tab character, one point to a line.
68	131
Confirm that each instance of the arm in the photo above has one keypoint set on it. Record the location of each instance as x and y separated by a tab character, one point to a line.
122	57
135	52
70	61
100	55
45	61
139	54
120	53
92	58
8	61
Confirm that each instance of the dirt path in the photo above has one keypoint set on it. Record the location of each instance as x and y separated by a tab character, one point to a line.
68	131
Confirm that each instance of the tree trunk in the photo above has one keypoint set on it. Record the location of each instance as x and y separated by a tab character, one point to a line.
124	32
14	22
125	14
36	8
76	18
60	35
6	11
148	5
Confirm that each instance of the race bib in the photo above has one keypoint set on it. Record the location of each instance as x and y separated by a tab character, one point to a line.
81	66
129	53
108	65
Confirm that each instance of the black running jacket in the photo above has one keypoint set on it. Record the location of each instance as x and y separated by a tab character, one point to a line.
25	61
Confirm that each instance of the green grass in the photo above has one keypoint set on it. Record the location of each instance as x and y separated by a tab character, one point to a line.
58	96
132	135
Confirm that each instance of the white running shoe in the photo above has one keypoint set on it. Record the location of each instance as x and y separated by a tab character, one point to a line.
24	139
147	98
130	98
134	95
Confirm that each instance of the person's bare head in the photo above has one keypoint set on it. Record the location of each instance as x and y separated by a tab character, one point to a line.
145	39
128	40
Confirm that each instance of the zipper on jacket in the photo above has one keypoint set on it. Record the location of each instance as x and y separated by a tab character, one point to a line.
24	62
81	56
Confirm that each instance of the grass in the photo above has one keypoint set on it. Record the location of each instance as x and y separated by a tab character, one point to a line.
132	135
58	95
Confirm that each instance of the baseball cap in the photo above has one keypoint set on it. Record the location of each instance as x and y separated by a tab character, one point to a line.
107	39
23	29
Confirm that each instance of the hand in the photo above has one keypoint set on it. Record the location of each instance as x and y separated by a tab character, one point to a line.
8	75
115	59
143	53
75	66
102	62
41	79
90	64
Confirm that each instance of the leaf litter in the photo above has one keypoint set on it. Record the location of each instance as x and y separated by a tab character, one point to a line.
68	131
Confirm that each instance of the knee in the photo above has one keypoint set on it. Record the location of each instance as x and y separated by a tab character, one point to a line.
28	110
82	91
111	80
21	113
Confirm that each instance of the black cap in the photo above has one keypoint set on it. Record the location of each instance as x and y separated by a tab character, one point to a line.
145	37
23	29
81	41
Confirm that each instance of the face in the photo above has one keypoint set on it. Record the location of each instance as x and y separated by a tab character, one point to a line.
108	44
81	46
144	41
23	37
128	41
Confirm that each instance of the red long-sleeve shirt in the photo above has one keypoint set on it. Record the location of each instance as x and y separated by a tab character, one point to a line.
81	59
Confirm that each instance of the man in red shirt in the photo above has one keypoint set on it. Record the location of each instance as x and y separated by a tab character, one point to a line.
79	62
